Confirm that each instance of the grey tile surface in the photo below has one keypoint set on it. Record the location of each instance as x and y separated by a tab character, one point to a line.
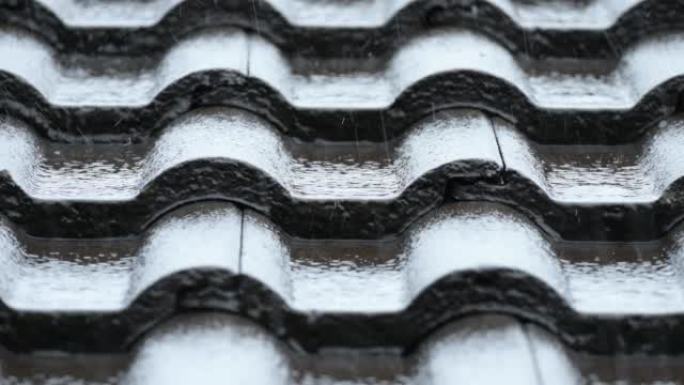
341	192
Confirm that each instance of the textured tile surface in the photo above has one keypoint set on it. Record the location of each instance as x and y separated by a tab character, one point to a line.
65	96
341	192
594	28
483	350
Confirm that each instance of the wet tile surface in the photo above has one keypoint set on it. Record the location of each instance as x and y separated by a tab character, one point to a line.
341	192
235	350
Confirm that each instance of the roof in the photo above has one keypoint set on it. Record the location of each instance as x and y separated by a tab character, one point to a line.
301	192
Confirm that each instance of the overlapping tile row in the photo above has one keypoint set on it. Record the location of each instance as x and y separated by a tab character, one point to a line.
622	191
74	98
341	29
465	258
345	189
313	190
215	349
